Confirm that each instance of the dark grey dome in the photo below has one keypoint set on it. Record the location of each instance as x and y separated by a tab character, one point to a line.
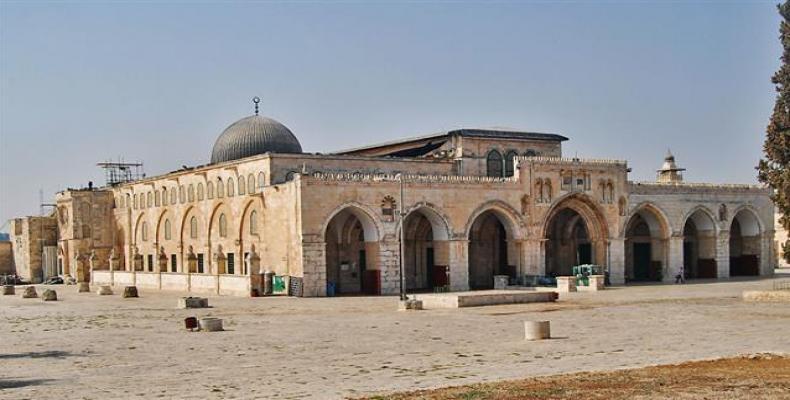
253	135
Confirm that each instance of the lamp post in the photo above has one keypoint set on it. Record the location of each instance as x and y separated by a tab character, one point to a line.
402	215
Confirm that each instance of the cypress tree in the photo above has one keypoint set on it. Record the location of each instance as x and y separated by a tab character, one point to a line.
774	168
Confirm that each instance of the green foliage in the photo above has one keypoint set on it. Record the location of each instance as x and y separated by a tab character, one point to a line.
774	168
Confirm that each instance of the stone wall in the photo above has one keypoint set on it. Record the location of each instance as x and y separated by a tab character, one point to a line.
6	258
28	236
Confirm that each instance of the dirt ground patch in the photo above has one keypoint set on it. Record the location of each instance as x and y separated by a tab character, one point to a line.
761	376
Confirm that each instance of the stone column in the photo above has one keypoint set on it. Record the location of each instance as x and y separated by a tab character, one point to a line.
459	264
616	260
94	265
313	269
114	262
191	261
389	264
80	267
723	255
254	271
532	253
219	266
675	262
767	253
191	266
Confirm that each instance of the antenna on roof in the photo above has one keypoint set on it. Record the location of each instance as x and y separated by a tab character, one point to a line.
256	100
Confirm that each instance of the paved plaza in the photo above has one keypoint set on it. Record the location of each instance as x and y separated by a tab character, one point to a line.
86	346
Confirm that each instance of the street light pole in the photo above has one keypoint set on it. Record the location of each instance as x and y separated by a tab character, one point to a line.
402	246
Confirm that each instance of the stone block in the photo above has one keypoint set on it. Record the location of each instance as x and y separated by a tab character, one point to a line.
104	290
49	295
597	282
29	293
8	290
83	287
210	324
410	304
501	282
129	291
566	284
537	330
193	302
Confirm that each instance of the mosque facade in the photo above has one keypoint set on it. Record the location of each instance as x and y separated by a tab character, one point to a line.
472	204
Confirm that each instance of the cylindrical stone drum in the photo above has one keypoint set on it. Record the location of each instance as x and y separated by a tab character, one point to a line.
210	324
536	330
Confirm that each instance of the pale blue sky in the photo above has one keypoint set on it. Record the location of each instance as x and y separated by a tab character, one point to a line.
86	82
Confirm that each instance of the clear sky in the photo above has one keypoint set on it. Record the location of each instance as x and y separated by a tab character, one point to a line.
86	82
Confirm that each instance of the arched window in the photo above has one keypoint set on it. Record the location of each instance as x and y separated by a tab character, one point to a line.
128	200
539	190
223	226
182	196
193	228
173	195
144	231
261	180
167	229
150	199
251	183
210	190
242	186
509	162
494	164
220	188
191	193
156	198
164	196
200	191
231	187
254	222
135	201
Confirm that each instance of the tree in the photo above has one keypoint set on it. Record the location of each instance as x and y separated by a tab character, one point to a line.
774	168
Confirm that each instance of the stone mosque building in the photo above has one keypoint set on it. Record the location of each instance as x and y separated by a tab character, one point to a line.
475	203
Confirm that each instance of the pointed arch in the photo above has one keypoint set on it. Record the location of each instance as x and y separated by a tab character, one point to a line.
370	224
439	222
506	214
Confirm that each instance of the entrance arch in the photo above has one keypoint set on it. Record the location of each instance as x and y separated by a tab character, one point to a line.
425	263
646	236
351	238
491	248
745	244
699	245
575	233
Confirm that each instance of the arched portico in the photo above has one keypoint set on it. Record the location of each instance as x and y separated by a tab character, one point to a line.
426	250
493	249
699	244
351	237
575	233
745	243
646	244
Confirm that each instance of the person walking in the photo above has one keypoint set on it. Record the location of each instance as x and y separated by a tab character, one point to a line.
681	276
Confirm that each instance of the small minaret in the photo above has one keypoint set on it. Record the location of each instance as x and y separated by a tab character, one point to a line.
669	171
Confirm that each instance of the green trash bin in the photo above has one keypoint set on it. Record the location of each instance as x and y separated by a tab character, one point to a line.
279	284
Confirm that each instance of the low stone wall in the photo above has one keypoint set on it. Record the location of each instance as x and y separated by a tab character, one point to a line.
229	285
